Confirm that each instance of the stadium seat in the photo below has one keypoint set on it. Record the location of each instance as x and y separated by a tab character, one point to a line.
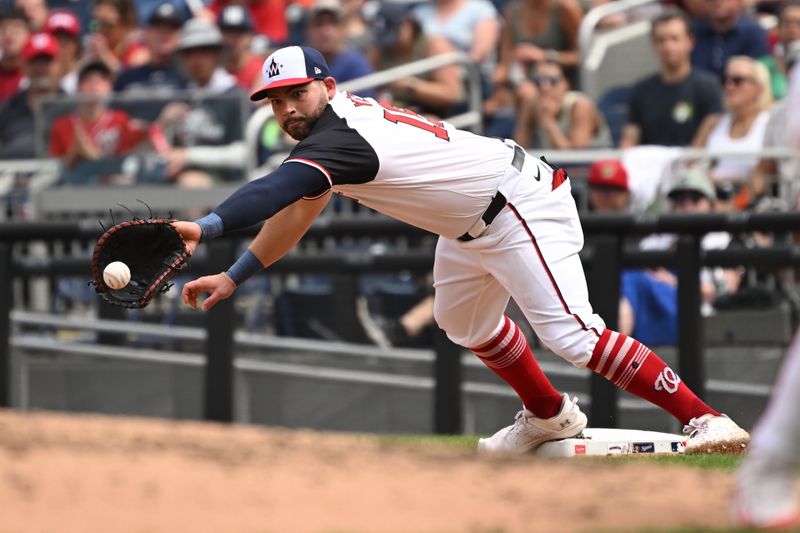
614	107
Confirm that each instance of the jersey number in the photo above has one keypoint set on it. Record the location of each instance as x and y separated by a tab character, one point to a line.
395	115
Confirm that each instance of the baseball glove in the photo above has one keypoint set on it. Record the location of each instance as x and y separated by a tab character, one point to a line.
154	252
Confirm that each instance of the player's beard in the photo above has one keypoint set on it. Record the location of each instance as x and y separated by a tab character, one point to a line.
299	128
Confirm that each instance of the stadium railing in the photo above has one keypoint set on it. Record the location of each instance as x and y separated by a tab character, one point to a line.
605	258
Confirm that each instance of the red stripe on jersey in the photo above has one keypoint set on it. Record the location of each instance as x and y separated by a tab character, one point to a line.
549	273
313	164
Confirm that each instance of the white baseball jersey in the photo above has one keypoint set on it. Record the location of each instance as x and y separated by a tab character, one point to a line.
426	173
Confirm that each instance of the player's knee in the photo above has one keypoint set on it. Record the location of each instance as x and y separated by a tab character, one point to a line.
460	331
575	346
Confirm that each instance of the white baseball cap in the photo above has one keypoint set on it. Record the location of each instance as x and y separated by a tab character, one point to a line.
292	65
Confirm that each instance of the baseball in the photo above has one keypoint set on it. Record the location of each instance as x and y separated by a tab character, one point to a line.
117	275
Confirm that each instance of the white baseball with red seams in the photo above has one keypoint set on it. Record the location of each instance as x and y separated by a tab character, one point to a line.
117	275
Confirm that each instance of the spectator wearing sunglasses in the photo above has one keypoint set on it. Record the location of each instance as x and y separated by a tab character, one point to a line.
556	117
649	304
114	38
741	128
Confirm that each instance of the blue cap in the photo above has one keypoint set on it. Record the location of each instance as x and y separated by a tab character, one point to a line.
292	65
235	17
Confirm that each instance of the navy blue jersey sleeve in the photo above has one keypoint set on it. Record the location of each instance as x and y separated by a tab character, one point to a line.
262	198
338	151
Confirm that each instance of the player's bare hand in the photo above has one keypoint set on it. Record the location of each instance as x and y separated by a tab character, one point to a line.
191	233
218	287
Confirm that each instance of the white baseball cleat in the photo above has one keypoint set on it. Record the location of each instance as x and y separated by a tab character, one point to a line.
528	432
764	496
715	434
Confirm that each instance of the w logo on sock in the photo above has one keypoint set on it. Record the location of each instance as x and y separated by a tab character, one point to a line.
668	381
274	69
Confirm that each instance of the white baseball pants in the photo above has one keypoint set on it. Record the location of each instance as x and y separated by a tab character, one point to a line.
530	253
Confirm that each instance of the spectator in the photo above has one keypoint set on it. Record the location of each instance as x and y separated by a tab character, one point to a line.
608	187
114	39
206	135
773	177
741	128
14	33
538	30
66	28
649	297
788	31
667	108
269	16
17	124
400	40
325	32
36	11
357	30
471	26
237	35
159	74
558	118
94	131
726	31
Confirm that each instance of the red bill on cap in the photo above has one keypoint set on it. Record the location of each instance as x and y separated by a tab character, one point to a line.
608	173
40	44
63	21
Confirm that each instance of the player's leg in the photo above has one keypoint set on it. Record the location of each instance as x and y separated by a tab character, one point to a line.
469	305
765	495
536	258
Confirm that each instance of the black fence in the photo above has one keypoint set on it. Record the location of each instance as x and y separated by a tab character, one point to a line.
604	258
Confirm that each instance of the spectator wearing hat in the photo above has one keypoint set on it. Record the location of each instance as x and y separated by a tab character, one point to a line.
268	16
159	76
398	40
66	28
608	187
205	137
649	304
14	33
17	124
325	32
94	131
237	36
114	38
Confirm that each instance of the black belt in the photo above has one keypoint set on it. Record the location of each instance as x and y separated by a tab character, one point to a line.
498	200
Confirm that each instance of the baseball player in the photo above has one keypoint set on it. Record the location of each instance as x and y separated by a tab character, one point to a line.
765	496
508	227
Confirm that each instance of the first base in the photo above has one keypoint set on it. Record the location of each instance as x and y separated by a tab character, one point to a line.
605	442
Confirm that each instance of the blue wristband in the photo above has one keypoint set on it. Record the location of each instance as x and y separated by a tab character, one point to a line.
211	226
244	268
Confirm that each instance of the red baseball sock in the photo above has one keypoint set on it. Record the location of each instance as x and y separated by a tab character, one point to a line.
631	366
510	357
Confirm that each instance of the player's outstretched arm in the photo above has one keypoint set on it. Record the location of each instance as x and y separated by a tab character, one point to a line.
277	236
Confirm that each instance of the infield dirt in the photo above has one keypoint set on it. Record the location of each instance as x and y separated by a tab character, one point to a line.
75	473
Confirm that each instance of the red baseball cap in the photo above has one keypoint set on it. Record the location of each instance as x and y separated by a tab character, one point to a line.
608	173
40	44
63	21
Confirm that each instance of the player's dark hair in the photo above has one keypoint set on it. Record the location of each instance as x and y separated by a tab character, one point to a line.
14	13
97	67
669	14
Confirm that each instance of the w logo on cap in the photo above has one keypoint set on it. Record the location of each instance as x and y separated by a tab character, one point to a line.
274	69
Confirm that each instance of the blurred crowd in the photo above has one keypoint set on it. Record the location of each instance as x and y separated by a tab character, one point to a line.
93	81
153	91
